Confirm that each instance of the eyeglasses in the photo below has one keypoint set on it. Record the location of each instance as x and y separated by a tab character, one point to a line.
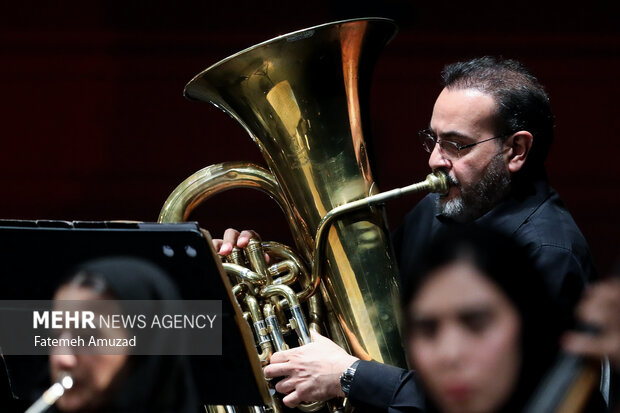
451	150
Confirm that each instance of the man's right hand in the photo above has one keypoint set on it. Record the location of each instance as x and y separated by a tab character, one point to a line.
311	372
233	238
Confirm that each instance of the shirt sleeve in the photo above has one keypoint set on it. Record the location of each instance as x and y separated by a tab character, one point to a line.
385	388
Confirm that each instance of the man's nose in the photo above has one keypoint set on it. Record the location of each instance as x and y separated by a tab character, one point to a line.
437	160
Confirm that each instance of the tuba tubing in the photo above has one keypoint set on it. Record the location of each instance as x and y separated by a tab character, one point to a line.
217	178
435	182
301	98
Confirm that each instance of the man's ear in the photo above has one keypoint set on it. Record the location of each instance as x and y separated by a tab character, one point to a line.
520	144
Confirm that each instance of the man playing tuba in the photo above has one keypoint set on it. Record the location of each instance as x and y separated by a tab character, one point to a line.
490	132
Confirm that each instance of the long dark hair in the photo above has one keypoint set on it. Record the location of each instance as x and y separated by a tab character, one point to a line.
505	264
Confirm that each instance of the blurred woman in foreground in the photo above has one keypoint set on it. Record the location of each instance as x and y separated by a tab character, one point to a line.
481	332
122	382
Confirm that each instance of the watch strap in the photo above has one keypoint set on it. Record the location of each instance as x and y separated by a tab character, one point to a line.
346	378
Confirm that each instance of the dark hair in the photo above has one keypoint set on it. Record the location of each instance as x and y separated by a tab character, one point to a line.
507	266
522	103
156	383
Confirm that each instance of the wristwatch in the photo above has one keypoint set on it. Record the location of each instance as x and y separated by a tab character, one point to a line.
346	378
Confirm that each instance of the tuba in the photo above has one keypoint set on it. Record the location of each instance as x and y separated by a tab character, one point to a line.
299	96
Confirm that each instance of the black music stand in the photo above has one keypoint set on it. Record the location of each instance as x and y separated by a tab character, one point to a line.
35	256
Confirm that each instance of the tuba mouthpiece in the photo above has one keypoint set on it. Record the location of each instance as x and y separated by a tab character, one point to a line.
438	182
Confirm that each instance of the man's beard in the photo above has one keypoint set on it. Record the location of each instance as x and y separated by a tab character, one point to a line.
480	197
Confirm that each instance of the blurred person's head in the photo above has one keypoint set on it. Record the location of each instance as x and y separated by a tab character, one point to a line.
478	323
95	376
120	382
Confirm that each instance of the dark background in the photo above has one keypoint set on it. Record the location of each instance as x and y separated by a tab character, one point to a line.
94	125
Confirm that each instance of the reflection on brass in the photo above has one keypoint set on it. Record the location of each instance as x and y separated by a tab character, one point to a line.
301	99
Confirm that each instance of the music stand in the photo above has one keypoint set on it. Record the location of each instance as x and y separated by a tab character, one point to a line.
35	257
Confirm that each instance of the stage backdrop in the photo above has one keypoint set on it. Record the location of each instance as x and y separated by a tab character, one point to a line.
95	127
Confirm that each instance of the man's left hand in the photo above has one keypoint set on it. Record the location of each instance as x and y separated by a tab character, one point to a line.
312	372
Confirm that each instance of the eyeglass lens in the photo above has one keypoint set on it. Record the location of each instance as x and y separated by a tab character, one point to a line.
429	142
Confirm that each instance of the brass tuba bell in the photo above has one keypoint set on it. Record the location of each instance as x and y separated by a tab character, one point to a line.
299	96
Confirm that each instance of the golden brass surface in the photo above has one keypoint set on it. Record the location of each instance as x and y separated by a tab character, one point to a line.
301	99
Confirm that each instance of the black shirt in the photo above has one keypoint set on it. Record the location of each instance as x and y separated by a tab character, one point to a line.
535	216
